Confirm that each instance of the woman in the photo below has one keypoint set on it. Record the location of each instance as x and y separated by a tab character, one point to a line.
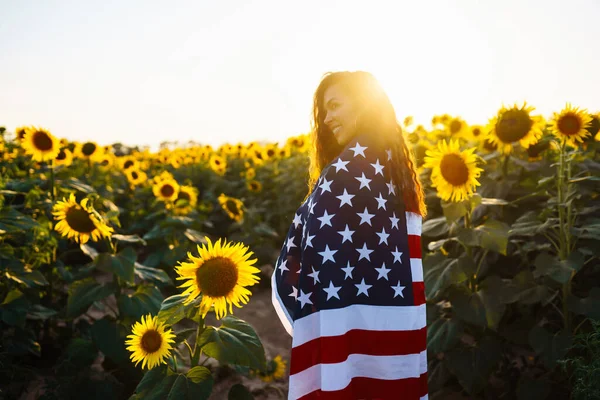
348	284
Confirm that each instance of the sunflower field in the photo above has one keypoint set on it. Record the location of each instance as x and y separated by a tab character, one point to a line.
123	269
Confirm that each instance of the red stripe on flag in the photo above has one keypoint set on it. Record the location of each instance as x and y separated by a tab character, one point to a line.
335	349
376	389
418	293
414	246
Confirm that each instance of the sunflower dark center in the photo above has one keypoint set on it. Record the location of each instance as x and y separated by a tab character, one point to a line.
183	196
217	277
134	175
151	341
455	126
88	149
254	185
232	206
127	164
270	152
105	162
454	170
594	126
476	132
569	124
167	190
514	125
61	155
79	220
42	141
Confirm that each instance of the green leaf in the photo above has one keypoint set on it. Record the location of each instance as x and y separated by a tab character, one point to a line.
494	293
129	239
172	309
239	392
551	266
263	229
89	251
108	339
76	184
588	306
155	275
150	379
473	366
145	300
28	278
550	347
435	227
468	237
468	306
234	342
186	389
444	334
195	236
13	310
83	293
530	388
121	264
13	221
199	374
454	210
493	235
41	313
440	272
81	352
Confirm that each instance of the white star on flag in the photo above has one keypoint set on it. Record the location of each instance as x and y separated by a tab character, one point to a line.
362	288
346	234
348	271
290	243
365	217
325	186
309	239
327	254
294	293
304	298
364	252
383	236
397	254
381	202
345	198
364	181
378	167
382	271
283	266
297	220
398	290
332	291
340	164
358	149
325	219
394	221
315	275
391	187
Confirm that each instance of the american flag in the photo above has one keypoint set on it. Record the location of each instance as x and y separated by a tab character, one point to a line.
348	285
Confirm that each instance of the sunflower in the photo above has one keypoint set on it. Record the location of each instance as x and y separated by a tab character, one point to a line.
217	163
79	221
164	176
149	342
106	161
453	172
254	186
594	128
135	176
513	125
477	132
166	190
20	132
89	150
250	173
128	162
232	206
570	125
40	144
186	200
220	274
275	370
457	128
64	157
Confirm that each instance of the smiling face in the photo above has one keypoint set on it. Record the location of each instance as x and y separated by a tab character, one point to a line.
340	114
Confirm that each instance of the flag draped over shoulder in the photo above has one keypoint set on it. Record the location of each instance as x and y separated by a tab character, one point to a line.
348	285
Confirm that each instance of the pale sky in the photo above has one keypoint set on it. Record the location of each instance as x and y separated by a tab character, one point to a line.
141	72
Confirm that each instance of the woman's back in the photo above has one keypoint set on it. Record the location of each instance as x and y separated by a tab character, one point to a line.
348	285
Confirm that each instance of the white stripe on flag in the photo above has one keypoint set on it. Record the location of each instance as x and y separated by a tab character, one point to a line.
280	309
331	377
416	269
413	223
358	316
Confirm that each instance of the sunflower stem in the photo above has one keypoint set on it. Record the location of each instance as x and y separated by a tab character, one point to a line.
505	165
52	180
197	348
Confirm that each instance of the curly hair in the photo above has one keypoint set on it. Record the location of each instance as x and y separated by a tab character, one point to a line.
377	116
